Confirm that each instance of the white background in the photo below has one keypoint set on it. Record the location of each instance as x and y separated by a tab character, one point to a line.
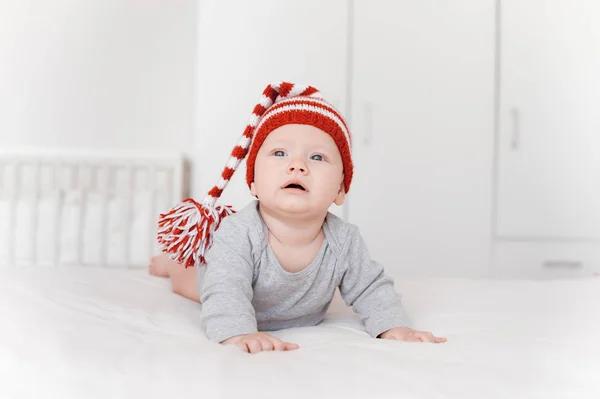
97	74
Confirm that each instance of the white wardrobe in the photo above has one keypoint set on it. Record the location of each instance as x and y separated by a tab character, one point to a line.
548	145
476	147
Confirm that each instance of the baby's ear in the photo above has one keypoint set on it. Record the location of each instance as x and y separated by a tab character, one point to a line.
339	198
253	189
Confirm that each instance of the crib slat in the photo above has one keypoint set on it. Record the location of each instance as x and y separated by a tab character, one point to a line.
129	208
105	195
58	212
35	200
152	189
12	239
83	199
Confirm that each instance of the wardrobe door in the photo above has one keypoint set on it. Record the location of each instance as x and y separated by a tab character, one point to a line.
549	148
422	114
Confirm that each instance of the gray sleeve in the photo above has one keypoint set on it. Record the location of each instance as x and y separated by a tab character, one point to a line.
226	291
369	291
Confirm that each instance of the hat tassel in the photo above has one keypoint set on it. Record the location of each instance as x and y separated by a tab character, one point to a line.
186	231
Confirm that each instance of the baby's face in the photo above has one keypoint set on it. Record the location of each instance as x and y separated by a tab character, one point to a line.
298	169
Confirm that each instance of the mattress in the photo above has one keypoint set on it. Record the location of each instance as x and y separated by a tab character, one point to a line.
99	333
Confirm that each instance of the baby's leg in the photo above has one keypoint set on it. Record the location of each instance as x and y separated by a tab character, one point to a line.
183	281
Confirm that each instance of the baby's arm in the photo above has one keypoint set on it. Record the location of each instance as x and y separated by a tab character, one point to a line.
226	289
226	293
370	291
371	294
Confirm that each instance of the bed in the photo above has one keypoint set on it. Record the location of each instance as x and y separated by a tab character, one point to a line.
81	317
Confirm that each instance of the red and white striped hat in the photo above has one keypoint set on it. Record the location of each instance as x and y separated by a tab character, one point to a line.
185	231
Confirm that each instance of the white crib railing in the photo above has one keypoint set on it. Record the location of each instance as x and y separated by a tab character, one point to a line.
84	208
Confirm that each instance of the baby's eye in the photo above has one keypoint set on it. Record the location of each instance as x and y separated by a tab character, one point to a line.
317	157
279	153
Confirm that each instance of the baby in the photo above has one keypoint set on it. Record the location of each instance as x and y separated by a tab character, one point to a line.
277	263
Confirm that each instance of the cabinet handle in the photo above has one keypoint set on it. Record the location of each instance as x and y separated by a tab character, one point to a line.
567	264
368	110
516	133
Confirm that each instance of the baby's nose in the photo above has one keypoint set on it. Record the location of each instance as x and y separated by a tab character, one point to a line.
297	166
293	168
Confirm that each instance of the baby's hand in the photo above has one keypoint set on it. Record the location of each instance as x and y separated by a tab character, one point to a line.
257	342
410	335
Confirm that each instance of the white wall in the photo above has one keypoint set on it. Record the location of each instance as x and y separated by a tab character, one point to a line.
242	47
97	74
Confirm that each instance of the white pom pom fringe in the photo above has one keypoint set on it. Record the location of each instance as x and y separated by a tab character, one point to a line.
186	231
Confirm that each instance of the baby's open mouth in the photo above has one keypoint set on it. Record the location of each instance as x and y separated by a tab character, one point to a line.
295	184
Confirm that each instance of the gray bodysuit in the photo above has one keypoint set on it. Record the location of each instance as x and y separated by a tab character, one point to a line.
244	289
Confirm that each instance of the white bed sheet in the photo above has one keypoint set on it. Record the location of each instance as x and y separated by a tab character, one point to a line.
99	333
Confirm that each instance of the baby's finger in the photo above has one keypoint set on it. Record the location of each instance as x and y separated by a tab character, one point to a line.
254	345
289	346
242	345
278	344
424	336
439	340
266	344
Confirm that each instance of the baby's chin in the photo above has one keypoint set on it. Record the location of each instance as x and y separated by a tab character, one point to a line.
297	206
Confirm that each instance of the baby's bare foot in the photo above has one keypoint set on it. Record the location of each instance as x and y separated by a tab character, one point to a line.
160	265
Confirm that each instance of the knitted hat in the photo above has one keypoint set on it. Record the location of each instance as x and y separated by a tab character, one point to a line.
185	232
